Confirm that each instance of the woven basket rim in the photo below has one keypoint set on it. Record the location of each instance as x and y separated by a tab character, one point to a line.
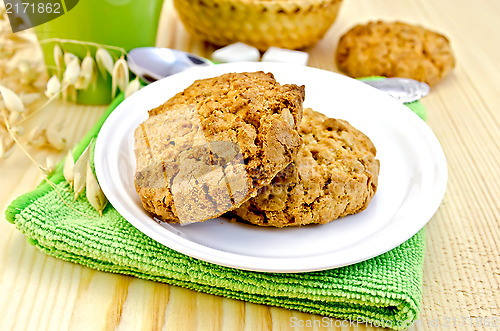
259	23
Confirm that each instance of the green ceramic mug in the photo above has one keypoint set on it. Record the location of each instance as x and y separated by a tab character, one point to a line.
124	24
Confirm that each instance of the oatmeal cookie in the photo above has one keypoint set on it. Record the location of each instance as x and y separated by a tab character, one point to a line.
211	147
334	174
395	50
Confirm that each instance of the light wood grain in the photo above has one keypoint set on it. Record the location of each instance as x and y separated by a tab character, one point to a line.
462	268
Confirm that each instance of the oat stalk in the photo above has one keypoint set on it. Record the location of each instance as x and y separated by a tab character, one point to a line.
72	72
120	76
44	171
58	59
54	186
88	43
25	151
31	114
87	74
53	86
11	100
69	57
69	165
79	172
94	193
132	87
104	61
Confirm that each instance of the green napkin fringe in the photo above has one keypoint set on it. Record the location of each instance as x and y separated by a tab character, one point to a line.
385	290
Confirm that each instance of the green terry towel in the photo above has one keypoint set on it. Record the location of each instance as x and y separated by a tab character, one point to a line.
385	290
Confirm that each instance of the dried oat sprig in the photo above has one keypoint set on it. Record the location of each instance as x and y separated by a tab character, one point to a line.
69	57
15	117
53	87
71	73
36	137
50	163
87	73
104	61
44	170
18	130
85	43
29	98
119	76
58	59
69	93
32	113
28	73
55	138
18	143
69	165
94	193
11	100
79	172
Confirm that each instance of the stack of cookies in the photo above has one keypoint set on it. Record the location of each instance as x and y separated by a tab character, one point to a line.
241	143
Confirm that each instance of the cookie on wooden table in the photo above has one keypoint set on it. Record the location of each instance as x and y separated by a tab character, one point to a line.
334	174
395	50
211	147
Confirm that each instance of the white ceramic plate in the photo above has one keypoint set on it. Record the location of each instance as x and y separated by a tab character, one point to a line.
412	181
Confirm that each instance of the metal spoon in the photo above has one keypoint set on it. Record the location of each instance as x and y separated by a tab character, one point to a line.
153	63
404	89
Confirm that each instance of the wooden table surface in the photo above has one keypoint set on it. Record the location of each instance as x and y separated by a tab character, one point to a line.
462	268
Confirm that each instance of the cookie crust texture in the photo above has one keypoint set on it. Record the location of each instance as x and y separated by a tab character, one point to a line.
334	174
395	50
211	147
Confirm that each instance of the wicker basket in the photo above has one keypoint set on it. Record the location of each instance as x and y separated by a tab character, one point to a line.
261	23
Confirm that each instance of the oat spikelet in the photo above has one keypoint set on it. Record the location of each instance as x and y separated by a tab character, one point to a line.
68	57
50	164
28	73
86	73
55	138
132	87
36	137
14	117
69	165
72	93
65	90
72	72
104	61
53	86
69	93
11	100
58	59
79	172
18	130
94	193
29	98
119	76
